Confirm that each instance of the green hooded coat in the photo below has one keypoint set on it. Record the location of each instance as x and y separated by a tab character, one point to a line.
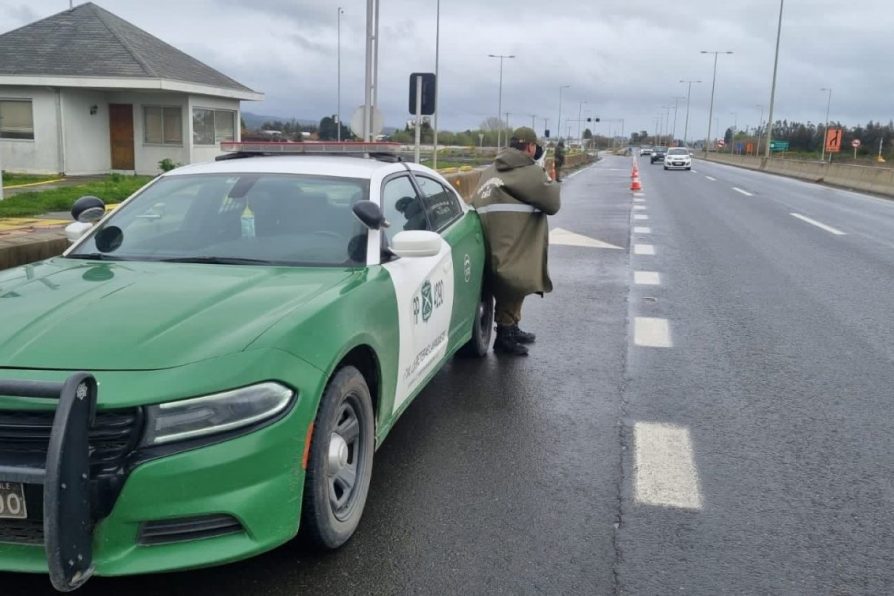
513	199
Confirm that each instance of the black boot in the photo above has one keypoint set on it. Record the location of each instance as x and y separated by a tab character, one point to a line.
523	337
508	343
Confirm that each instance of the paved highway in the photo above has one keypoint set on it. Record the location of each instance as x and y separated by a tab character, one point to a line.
708	409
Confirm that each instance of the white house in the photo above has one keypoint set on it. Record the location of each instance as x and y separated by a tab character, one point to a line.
85	92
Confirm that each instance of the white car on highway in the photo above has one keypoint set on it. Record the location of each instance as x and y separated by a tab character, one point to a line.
677	158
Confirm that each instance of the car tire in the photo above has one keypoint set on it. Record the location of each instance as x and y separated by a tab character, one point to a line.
689	168
665	167
482	328
338	476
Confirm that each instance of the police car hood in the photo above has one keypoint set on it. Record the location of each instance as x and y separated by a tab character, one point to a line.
67	314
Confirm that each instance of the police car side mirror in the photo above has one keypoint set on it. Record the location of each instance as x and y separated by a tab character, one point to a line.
416	243
370	214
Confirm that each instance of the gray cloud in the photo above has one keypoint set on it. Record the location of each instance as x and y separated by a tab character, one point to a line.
624	58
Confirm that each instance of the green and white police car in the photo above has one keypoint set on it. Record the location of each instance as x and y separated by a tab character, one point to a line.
208	369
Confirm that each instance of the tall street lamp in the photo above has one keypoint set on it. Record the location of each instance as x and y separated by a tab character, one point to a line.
732	138
434	157
773	86
500	97
760	129
826	130
579	108
688	96
559	123
713	84
674	133
338	92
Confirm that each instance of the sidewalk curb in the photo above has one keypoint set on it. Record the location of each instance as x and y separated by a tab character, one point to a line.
21	249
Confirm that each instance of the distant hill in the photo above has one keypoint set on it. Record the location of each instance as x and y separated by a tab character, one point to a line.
256	120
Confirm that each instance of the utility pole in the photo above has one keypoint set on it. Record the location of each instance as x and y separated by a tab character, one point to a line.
826	130
434	157
773	87
338	93
559	122
500	96
688	96
713	84
372	67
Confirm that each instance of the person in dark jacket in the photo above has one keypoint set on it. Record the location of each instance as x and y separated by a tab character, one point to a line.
513	200
559	160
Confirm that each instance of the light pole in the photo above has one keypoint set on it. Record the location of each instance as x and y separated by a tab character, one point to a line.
434	157
676	105
338	92
559	122
760	129
533	126
826	130
688	96
500	97
773	86
579	108
666	121
713	84
732	137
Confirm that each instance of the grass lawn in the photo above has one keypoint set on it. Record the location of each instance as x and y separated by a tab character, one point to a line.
16	179
114	189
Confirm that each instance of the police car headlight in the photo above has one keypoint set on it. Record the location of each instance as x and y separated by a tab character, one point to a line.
216	413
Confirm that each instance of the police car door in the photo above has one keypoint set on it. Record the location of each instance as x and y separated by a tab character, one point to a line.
423	287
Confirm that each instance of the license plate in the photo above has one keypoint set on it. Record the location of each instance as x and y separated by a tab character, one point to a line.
12	501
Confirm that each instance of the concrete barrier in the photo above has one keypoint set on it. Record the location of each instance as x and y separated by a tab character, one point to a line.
879	180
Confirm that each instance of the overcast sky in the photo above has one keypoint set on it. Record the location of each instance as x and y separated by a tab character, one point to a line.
624	58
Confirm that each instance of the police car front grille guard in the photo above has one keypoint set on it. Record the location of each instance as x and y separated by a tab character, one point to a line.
65	476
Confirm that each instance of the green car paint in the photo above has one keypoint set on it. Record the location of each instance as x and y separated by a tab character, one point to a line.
154	332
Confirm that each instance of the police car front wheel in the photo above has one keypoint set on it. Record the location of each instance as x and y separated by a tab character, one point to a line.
340	464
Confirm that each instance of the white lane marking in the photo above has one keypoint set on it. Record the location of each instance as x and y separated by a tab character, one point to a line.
650	332
646	278
693	171
643	249
639	200
822	226
711	179
664	466
566	238
639	207
639	194
642	230
744	192
640	217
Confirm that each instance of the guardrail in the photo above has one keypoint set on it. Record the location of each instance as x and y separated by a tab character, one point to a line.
864	178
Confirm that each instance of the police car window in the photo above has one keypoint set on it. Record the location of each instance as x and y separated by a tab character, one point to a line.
440	202
402	207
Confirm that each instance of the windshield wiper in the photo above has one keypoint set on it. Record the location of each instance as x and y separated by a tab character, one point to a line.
217	260
96	256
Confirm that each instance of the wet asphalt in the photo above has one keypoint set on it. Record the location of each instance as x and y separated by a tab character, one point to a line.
517	476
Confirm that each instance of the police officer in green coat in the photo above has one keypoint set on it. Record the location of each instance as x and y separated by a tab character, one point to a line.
513	199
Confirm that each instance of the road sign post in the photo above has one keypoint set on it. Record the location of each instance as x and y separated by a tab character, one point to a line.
422	100
856	145
779	145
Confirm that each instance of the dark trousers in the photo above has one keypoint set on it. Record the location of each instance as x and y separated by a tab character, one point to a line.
508	312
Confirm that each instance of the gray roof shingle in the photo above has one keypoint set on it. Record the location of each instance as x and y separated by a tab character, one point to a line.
89	41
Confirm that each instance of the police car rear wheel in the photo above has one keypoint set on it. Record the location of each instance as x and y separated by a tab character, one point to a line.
340	464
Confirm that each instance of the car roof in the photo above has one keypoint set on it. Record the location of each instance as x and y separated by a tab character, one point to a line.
319	165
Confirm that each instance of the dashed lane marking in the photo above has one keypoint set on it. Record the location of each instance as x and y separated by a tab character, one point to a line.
642	230
644	249
639	207
640	217
649	332
639	200
711	179
646	278
564	237
664	466
744	192
821	226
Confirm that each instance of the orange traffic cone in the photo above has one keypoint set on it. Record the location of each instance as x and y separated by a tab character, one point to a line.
635	185
635	172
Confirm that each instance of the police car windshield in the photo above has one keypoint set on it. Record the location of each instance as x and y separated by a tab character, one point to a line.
276	219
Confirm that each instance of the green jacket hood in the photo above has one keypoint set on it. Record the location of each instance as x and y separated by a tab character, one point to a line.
70	314
511	159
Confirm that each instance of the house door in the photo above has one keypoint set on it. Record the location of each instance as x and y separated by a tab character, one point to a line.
121	134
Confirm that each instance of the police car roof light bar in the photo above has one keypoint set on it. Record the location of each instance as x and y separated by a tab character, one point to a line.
309	147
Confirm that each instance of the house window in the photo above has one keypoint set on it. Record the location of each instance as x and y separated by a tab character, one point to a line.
16	119
162	125
210	127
